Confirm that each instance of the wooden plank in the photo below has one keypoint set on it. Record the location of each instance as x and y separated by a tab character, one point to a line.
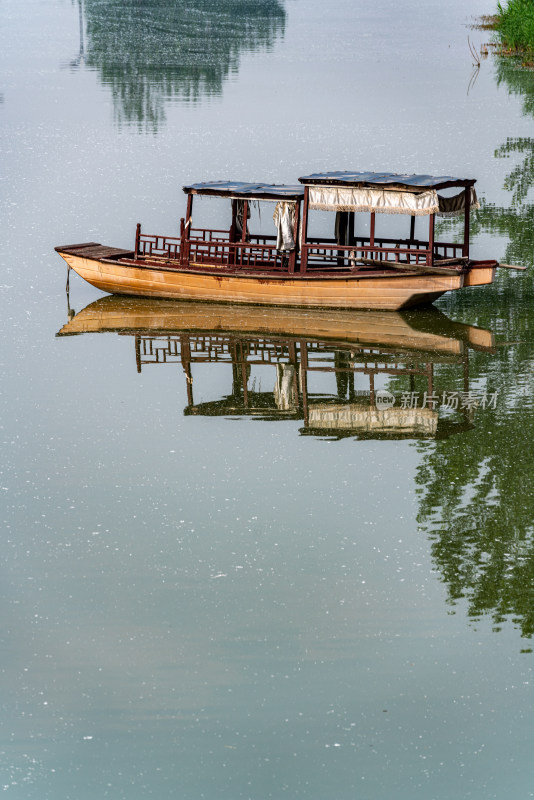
95	251
68	247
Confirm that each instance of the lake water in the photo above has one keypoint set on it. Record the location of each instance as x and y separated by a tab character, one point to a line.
221	576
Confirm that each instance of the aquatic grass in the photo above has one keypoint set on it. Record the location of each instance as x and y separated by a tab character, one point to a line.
515	26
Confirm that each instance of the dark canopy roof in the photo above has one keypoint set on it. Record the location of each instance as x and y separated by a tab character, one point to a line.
390	180
252	191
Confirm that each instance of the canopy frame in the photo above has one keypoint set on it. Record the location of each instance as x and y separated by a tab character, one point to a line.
414	195
241	195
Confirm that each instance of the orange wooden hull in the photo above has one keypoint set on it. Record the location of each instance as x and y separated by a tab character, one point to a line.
483	273
392	292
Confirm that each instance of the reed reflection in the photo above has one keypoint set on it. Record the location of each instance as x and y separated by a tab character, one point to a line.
149	52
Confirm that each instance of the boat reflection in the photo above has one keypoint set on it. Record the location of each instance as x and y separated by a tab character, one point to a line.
344	373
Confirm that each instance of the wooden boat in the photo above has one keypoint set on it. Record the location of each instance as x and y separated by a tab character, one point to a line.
357	268
299	346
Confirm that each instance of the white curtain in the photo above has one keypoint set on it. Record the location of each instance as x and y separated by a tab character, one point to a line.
383	201
336	198
284	219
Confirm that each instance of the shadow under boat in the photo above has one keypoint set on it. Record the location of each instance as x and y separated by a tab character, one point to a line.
302	346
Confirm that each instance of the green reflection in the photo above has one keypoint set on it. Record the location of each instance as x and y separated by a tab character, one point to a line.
477	492
150	51
477	503
517	81
516	221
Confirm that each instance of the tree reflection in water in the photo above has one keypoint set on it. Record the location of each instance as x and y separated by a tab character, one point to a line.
477	491
516	223
150	51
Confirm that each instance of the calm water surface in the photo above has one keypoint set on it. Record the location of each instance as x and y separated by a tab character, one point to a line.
221	575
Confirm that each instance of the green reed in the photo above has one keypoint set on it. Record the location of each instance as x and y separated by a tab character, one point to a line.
515	26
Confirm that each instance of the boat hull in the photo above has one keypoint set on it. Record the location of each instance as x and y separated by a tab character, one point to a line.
387	292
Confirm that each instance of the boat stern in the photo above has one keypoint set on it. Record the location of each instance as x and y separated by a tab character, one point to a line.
480	273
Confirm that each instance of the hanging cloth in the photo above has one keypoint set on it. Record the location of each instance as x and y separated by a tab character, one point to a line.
455	206
284	219
336	198
344	226
239	214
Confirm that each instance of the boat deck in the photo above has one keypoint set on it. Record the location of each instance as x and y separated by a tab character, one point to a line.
94	250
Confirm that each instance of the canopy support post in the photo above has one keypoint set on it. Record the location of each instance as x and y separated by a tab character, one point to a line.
431	225
244	232
245	221
304	249
188	214
186	247
372	232
467	211
232	233
293	256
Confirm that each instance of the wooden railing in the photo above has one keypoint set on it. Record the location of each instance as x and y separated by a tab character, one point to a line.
235	255
321	257
208	249
448	250
207	235
212	247
159	247
328	254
